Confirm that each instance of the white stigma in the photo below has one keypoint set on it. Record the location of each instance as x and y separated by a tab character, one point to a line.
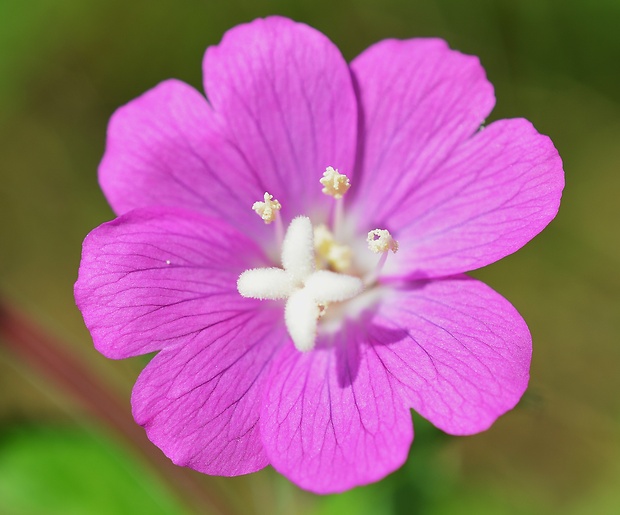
268	209
308	291
334	183
265	283
298	249
380	241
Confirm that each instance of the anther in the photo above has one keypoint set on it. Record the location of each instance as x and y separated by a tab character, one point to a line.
268	209
380	240
336	256
334	183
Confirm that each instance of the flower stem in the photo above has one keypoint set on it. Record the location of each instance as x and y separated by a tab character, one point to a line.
50	357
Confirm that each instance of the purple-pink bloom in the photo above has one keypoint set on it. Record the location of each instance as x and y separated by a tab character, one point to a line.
228	391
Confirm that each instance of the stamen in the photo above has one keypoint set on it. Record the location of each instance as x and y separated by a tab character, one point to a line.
268	209
323	240
337	217
380	240
334	183
337	256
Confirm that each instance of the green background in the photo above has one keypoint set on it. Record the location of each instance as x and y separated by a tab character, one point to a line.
65	65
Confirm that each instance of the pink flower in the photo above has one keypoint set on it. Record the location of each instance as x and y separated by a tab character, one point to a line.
308	354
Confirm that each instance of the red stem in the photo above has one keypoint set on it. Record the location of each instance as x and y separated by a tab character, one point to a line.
49	356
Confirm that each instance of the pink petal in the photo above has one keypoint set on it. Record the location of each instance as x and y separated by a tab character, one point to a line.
419	101
493	195
165	148
331	419
158	278
454	202
457	351
200	403
286	95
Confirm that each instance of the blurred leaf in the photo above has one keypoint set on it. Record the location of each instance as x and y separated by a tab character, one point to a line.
69	471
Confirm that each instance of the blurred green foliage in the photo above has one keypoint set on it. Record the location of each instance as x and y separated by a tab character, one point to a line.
64	68
70	472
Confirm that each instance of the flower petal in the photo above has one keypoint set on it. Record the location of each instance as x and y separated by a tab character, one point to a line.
419	100
331	419
157	278
454	202
493	195
200	403
165	148
286	95
458	352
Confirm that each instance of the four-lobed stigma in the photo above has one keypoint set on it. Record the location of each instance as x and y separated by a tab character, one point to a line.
316	270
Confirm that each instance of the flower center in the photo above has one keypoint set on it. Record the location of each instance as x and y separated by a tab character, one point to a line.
314	266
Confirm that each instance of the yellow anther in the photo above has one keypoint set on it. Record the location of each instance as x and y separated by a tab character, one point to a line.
268	209
323	239
338	257
380	240
334	184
